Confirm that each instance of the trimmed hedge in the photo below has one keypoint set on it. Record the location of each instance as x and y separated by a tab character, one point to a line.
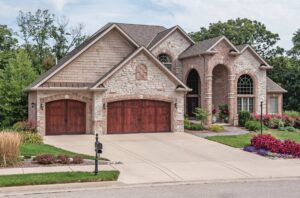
244	116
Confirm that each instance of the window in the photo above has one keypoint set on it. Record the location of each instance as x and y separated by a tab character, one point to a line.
245	85
273	105
192	81
245	104
245	100
166	60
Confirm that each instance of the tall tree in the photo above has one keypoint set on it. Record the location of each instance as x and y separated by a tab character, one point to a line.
7	45
46	38
242	31
13	79
295	51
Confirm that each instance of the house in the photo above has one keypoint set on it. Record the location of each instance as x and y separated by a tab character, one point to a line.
129	78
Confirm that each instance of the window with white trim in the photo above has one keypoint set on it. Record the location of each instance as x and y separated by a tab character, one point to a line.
273	104
165	59
245	96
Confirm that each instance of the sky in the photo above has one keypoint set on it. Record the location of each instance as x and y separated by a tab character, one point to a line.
280	16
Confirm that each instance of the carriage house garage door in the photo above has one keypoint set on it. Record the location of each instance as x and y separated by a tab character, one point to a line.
138	116
65	117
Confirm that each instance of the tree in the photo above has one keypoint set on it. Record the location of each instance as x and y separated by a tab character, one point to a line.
7	45
242	31
13	79
46	38
295	51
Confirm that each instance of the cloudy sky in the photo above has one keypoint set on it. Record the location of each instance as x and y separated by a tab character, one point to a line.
280	16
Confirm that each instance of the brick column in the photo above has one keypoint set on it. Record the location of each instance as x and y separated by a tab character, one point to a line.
231	100
208	96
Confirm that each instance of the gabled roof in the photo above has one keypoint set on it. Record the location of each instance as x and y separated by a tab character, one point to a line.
77	51
134	54
205	46
274	87
164	34
142	34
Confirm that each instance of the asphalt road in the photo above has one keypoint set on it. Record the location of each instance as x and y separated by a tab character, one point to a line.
257	189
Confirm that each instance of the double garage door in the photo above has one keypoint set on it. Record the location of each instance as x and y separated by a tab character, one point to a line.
130	116
138	116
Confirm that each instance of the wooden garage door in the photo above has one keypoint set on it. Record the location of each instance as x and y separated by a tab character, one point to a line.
138	116
65	117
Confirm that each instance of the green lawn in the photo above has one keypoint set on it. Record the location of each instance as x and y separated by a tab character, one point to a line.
239	141
38	149
55	178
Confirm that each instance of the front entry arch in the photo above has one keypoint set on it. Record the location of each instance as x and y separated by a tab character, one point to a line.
193	97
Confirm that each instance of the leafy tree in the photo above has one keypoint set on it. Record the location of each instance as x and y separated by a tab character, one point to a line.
201	114
13	79
7	45
242	31
295	51
46	38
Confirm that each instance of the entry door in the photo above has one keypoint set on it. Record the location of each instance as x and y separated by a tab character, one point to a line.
65	117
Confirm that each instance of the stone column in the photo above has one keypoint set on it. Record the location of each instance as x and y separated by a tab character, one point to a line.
208	96
97	113
231	100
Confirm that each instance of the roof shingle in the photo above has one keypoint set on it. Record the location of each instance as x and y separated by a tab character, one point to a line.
274	87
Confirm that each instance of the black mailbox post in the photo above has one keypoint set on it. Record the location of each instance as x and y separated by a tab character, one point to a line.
98	151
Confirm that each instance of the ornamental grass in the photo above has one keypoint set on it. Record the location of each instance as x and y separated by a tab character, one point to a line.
9	148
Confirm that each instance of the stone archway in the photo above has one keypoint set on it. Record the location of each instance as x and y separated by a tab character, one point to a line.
193	98
220	87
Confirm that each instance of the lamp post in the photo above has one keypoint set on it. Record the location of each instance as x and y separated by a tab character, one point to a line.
261	115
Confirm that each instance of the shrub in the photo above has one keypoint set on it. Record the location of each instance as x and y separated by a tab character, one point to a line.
224	112
196	127
31	138
63	159
187	123
293	114
9	148
262	152
275	123
201	114
290	129
216	128
45	159
253	125
77	160
249	148
297	124
244	116
27	125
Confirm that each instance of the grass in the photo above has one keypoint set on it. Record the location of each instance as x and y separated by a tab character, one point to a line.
239	141
56	178
38	149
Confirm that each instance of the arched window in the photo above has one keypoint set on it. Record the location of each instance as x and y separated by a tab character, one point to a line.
245	100
166	60
193	97
245	85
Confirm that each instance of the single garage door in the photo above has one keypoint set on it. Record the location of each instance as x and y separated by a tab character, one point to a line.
65	117
138	116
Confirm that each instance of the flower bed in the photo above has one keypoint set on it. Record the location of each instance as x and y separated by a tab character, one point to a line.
262	144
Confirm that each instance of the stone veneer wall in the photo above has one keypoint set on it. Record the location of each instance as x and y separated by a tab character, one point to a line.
123	86
173	45
47	96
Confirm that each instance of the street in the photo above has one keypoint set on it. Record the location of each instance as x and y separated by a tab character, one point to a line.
243	189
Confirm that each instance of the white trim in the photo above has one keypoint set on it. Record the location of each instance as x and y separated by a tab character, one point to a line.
84	49
223	38
167	35
142	48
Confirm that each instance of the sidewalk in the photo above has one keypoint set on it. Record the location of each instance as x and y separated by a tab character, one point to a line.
52	169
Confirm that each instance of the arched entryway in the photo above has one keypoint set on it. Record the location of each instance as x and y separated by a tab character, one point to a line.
220	90
193	98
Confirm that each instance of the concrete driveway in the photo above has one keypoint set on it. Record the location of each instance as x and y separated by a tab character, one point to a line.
167	157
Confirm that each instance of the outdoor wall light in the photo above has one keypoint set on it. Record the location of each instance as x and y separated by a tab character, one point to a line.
41	106
32	105
175	105
104	106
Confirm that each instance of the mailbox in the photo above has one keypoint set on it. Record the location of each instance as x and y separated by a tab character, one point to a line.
98	147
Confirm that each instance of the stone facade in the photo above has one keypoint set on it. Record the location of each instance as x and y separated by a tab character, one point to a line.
142	77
